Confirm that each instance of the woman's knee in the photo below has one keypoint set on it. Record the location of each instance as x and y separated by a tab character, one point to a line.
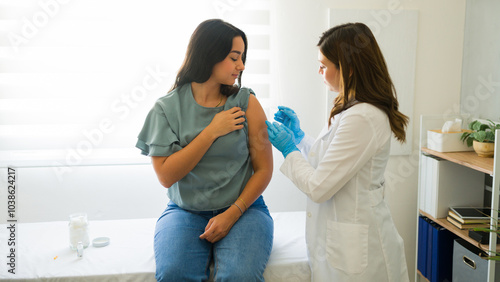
168	274
242	273
181	272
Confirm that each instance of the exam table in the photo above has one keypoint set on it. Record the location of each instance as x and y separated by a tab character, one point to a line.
43	253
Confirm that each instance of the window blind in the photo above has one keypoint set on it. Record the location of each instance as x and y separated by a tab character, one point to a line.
77	77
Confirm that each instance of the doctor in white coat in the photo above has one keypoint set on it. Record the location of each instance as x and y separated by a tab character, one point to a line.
350	233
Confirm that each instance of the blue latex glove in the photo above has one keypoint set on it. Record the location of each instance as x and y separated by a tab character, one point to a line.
289	118
281	137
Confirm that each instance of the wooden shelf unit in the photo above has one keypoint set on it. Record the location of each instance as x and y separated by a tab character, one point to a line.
471	160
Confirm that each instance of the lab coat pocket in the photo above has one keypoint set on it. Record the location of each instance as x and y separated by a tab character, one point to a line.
347	246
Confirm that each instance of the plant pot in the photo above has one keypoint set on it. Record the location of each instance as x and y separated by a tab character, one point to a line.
485	150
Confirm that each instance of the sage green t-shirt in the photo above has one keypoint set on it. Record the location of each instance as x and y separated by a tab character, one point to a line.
222	173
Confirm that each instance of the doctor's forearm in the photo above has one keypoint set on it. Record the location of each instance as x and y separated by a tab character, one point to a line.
305	177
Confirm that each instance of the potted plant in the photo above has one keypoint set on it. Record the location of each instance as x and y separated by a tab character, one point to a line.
482	137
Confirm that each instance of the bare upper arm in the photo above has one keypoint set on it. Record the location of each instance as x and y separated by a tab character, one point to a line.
260	147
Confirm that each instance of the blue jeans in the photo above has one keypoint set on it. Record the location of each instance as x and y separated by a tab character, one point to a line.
242	255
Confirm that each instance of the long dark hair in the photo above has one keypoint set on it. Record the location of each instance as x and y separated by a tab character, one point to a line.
210	44
363	73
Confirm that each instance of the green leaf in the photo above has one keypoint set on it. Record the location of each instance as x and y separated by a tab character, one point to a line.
469	142
464	136
493	258
482	229
480	136
483	127
475	125
490	136
471	125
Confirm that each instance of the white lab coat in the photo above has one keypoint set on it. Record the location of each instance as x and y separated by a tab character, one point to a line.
349	229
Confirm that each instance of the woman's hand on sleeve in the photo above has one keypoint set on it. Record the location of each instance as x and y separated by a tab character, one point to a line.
226	122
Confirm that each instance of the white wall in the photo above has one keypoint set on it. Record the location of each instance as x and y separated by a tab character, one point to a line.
480	72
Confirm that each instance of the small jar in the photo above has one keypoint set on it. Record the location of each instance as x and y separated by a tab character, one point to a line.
78	232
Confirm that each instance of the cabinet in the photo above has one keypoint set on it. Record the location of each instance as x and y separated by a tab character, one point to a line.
471	161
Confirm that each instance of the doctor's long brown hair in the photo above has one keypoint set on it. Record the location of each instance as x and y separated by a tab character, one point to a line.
363	73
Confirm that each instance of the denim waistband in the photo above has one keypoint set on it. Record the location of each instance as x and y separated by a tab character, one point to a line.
258	204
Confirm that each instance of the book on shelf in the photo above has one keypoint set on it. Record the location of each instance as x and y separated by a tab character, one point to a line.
462	220
467	225
472	212
435	250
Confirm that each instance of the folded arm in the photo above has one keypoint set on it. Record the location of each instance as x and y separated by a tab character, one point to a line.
173	168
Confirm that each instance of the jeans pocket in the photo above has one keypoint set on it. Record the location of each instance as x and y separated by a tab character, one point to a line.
347	246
